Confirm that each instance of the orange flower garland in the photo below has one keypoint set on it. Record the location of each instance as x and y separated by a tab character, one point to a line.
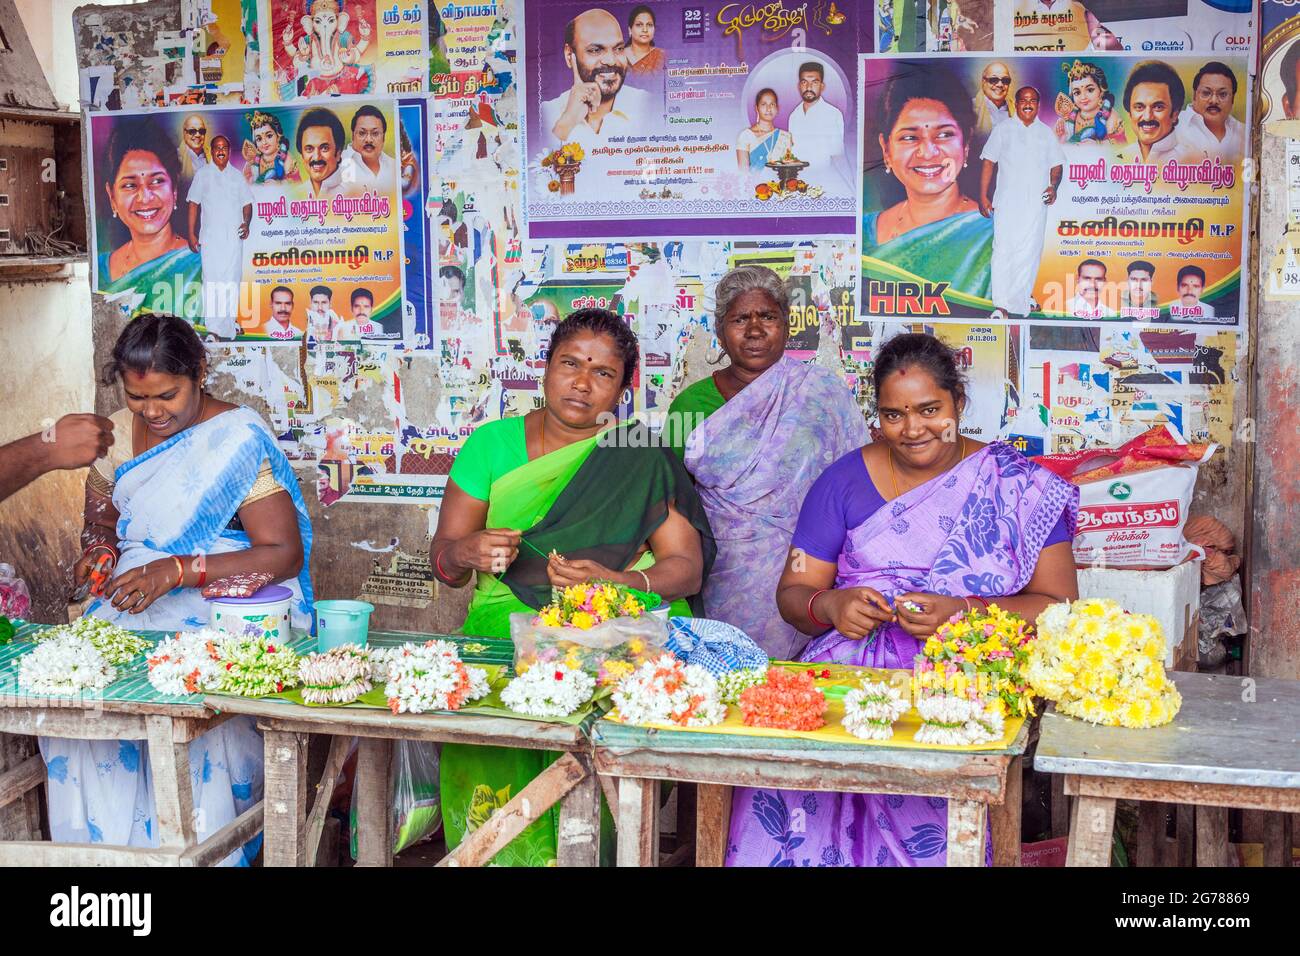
788	701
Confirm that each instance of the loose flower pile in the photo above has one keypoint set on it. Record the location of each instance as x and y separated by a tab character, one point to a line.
549	691
734	683
585	605
64	666
870	710
116	644
337	676
788	700
1102	664
431	676
950	720
255	666
996	644
187	663
666	691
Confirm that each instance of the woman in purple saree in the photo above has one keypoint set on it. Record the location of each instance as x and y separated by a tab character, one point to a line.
771	426
922	516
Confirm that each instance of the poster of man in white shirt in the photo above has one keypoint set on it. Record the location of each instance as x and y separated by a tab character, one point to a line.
1207	124
1090	291
817	129
220	211
280	325
1189	307
1027	161
320	144
993	102
365	164
1154	98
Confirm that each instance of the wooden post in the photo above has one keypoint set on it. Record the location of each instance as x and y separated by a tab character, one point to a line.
1212	836
20	818
173	793
712	824
285	804
339	747
638	819
1004	819
1060	807
966	826
374	799
1277	839
1185	822
579	839
1092	825
1150	834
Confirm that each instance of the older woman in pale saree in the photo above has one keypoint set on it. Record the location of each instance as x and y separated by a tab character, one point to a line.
193	493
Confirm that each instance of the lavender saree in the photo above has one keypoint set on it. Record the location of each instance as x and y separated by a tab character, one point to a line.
753	461
978	529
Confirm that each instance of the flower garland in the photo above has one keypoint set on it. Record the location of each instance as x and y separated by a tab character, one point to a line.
585	605
870	710
549	692
1102	664
337	676
666	691
255	666
186	663
116	644
788	700
65	666
734	683
995	644
431	676
950	720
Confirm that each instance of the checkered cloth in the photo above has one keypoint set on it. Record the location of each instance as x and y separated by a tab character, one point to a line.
714	645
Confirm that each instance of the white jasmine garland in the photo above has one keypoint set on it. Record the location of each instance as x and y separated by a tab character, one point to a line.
337	676
431	676
666	691
65	666
957	721
870	710
186	663
543	691
116	644
734	683
255	666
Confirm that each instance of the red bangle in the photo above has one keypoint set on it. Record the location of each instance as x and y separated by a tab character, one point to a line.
981	600
437	566
180	571
203	571
811	615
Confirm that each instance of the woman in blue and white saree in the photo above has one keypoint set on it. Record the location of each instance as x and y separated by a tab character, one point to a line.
194	490
763	142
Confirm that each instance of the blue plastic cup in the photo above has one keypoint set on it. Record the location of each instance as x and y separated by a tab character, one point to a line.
342	622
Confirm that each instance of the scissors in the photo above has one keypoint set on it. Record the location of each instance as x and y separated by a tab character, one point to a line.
100	573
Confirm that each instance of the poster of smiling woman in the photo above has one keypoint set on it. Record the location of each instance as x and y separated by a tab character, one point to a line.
1084	189
690	119
287	223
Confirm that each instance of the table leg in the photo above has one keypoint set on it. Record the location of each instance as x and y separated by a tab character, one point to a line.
1150	834
286	798
1277	839
1060	807
339	747
966	826
638	822
374	796
712	824
1185	821
1092	825
579	841
1212	836
1004	819
173	793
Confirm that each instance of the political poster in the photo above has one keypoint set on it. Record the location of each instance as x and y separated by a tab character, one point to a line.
1107	187
686	120
263	224
1155	27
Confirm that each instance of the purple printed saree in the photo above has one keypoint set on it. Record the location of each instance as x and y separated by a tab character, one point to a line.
977	529
753	461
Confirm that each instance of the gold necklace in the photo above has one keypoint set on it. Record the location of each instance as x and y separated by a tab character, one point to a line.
893	478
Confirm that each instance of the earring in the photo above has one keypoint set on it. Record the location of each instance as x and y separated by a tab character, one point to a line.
888	170
114	213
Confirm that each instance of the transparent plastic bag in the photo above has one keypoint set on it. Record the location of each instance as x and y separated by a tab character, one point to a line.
608	651
15	599
415	805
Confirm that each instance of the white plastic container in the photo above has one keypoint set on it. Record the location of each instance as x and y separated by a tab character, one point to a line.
1173	597
265	614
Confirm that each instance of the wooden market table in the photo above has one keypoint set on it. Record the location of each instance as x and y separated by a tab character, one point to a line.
980	786
1234	743
293	833
128	709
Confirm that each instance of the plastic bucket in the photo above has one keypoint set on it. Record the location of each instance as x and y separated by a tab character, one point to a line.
264	614
342	622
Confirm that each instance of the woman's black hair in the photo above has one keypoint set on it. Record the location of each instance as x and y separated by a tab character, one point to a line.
156	342
759	95
135	135
918	350
601	322
923	82
639	9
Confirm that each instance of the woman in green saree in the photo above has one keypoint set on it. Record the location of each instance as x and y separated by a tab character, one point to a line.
555	498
